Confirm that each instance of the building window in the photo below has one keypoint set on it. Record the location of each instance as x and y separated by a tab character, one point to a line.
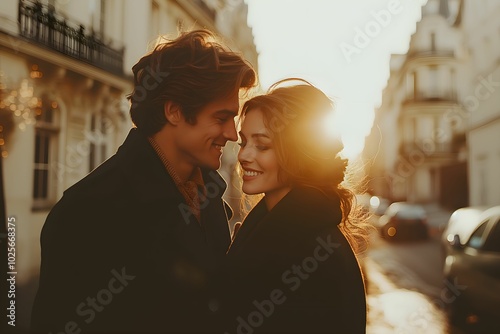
99	134
434	176
415	86
433	91
102	17
453	85
46	144
97	10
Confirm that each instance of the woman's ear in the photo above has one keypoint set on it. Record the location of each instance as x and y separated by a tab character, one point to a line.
173	113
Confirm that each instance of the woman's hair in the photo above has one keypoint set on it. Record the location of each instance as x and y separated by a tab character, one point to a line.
191	71
306	150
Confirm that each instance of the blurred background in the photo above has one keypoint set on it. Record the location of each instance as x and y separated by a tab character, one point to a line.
416	87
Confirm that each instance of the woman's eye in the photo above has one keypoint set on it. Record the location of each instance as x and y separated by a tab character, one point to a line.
262	148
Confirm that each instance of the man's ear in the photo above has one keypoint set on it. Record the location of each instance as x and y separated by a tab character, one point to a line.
173	112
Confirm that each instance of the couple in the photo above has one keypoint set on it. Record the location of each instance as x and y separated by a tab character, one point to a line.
142	244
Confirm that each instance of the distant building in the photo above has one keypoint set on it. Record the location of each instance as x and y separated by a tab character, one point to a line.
65	70
481	26
416	151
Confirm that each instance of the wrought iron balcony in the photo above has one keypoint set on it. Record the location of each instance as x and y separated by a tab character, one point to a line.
431	53
41	24
428	150
449	96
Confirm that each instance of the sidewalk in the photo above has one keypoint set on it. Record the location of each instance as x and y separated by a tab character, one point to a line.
395	310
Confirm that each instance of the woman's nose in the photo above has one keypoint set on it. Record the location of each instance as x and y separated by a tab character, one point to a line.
244	155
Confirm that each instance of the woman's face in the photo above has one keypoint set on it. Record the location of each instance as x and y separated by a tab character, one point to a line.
258	160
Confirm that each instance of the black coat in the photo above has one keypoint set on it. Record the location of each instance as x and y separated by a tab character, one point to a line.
121	252
291	270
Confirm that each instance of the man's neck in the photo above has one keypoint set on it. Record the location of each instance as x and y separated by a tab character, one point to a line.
183	169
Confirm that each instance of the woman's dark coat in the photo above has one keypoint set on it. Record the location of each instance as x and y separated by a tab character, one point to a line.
121	252
291	270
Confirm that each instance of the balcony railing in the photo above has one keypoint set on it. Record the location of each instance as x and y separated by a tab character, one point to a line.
41	24
430	148
431	53
449	96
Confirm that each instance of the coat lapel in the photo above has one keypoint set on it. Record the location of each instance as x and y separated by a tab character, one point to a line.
145	171
252	220
214	219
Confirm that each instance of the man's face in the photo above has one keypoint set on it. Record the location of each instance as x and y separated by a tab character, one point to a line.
200	145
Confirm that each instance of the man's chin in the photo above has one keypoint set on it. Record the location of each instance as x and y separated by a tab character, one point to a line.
213	165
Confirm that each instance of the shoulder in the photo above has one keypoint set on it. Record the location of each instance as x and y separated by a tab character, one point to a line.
108	191
303	219
88	201
134	168
307	208
104	181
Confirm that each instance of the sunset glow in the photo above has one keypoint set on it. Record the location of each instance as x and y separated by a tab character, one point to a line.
341	47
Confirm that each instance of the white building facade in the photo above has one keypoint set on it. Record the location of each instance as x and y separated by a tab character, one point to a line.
416	151
482	100
448	91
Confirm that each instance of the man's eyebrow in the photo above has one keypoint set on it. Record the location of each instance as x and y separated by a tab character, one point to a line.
227	112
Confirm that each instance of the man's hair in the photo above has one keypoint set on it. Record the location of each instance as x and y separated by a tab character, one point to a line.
191	71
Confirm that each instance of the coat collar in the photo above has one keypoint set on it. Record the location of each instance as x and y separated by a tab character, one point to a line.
147	174
302	209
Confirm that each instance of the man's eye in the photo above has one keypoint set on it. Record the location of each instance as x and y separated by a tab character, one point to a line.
222	120
262	148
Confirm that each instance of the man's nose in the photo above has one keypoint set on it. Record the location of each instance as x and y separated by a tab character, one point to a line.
230	131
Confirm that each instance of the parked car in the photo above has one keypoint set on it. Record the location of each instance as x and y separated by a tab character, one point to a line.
404	221
473	264
462	222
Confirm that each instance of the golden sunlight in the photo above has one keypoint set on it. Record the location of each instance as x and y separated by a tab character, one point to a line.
350	125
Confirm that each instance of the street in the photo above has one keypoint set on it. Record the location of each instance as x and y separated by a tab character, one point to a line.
406	289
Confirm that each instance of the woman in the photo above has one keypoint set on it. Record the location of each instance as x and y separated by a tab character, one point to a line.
291	267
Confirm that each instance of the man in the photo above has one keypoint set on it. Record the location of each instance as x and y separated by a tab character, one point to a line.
132	246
